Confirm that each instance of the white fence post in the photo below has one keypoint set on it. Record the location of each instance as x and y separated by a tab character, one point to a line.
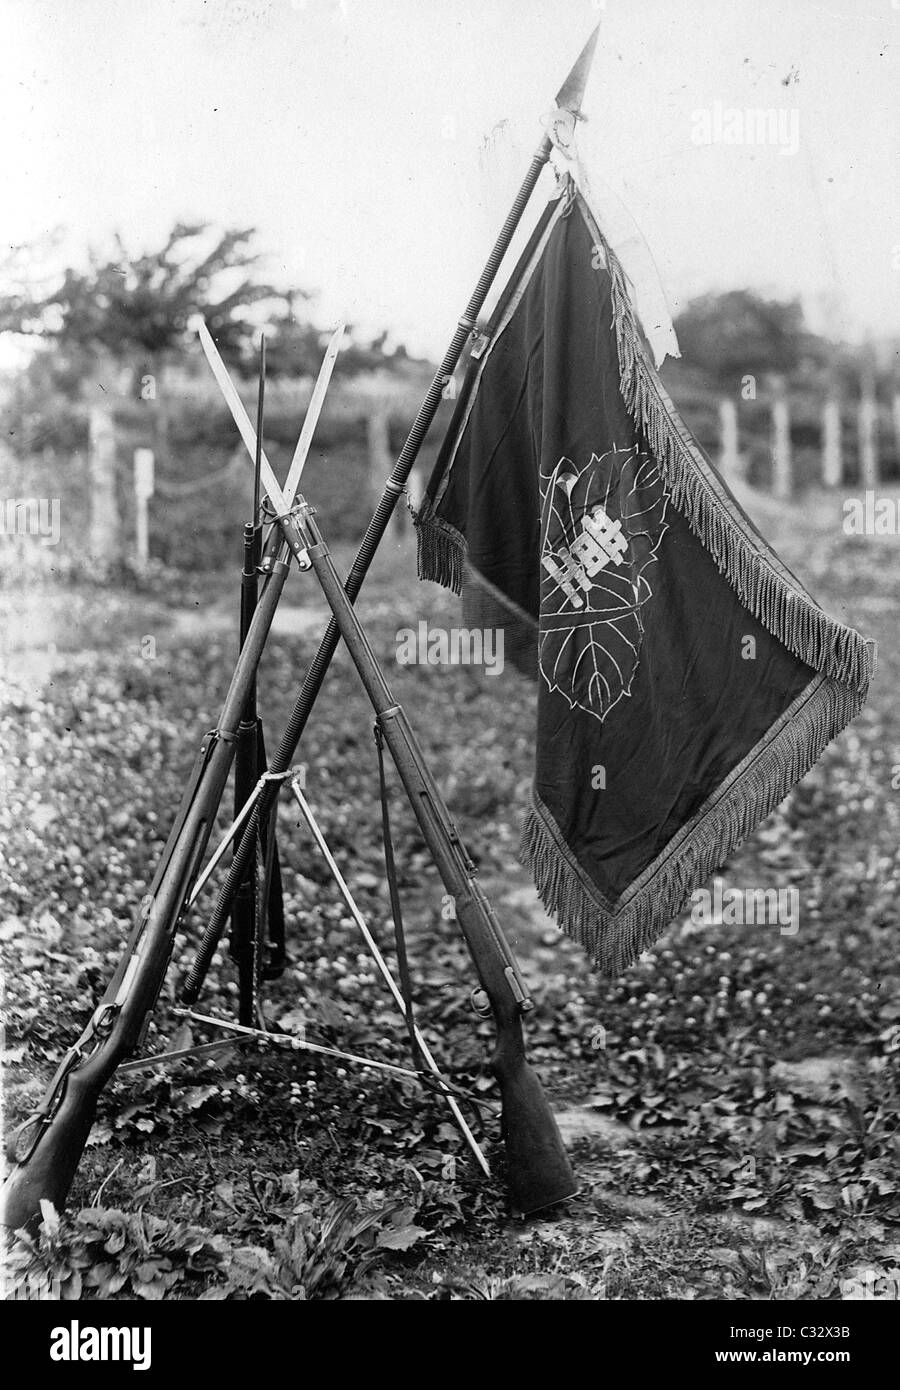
832	463
103	528
868	438
729	457
782	473
143	491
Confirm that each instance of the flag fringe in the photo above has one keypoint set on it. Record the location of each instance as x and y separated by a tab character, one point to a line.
762	585
441	548
615	935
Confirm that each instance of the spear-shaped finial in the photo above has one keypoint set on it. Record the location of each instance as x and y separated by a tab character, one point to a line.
571	93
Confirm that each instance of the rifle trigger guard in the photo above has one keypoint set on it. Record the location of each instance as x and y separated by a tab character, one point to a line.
102	1021
20	1145
480	1002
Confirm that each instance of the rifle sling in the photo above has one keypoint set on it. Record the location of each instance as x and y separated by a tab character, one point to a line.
396	912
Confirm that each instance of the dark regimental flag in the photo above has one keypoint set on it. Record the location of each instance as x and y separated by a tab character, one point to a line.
685	678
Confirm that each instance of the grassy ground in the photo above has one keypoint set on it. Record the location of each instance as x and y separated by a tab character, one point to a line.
731	1102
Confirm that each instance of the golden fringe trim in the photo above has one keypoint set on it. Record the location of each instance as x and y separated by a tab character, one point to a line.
614	936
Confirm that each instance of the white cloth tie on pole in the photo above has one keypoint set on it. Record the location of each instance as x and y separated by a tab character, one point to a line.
621	231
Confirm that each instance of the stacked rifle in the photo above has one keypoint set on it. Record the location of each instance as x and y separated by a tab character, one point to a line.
282	533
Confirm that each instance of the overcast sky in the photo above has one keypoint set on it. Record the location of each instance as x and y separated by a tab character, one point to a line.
365	139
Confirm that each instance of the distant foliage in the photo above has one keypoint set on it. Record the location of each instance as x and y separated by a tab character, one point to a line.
137	308
731	335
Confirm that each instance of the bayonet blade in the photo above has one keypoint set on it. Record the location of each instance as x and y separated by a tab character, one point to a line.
242	420
312	414
281	501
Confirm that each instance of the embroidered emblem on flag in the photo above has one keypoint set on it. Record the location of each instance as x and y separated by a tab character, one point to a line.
600	530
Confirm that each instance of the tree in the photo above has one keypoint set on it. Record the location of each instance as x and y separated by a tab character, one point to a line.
739	333
294	347
137	309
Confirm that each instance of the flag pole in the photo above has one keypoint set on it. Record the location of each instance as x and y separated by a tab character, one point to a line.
569	98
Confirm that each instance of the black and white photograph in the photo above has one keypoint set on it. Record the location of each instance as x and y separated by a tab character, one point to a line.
449	733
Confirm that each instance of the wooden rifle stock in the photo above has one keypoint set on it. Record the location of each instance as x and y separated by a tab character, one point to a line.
538	1169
